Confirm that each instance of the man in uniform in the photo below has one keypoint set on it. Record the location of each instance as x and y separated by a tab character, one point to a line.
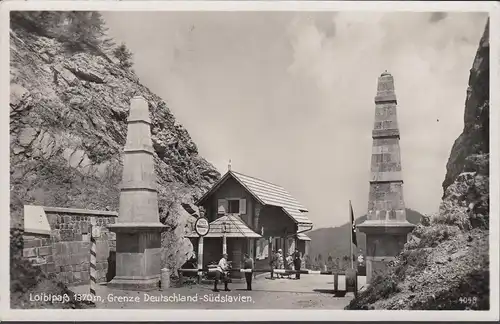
297	262
272	262
248	264
222	273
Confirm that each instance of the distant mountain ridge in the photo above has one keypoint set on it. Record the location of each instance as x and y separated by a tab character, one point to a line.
334	241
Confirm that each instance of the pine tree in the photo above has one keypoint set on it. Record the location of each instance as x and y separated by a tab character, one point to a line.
85	28
123	54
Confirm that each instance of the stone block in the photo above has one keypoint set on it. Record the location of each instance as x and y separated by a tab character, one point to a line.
59	248
85	276
79	237
30	243
67	235
38	260
77	276
29	252
51	267
58	260
86	246
102	250
44	250
77	259
84	228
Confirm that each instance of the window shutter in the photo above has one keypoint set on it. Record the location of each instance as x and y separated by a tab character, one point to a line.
243	206
221	206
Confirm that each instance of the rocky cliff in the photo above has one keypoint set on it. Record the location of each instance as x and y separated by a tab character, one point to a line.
445	264
68	128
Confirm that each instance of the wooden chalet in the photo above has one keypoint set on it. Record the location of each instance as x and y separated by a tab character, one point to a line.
254	216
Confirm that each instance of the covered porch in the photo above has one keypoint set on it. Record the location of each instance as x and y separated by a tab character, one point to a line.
227	234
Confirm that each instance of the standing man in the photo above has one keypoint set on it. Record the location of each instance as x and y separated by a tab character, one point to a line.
272	263
222	273
248	264
281	262
297	262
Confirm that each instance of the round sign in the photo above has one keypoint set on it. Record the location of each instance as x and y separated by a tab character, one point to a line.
202	226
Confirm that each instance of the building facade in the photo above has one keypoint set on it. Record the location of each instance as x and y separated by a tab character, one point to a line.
251	216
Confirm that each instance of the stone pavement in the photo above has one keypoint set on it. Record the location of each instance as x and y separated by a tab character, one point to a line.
311	291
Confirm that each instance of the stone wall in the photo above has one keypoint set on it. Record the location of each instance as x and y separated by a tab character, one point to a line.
65	250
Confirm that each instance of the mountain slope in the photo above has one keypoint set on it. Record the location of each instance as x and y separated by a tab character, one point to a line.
448	259
68	112
335	241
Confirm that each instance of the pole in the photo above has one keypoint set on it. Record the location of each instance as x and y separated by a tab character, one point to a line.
350	243
224	240
200	257
93	257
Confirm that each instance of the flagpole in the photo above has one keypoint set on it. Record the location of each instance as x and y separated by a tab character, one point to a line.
350	242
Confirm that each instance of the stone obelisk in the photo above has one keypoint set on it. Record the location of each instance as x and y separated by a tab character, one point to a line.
138	229
386	227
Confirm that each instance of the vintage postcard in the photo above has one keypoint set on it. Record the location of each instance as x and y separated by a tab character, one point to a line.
267	160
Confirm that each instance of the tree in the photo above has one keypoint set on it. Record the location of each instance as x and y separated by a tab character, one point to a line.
330	261
123	54
85	29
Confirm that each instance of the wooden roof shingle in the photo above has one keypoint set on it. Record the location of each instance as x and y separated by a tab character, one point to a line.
267	194
235	228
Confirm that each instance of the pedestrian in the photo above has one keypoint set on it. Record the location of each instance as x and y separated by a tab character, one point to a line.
273	262
297	262
281	262
289	263
222	273
248	264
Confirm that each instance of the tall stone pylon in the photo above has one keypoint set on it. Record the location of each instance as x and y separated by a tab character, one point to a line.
138	229
386	227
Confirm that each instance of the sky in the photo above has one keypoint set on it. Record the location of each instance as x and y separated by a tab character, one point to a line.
289	96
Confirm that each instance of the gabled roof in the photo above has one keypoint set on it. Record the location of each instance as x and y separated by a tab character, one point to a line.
235	227
303	237
267	194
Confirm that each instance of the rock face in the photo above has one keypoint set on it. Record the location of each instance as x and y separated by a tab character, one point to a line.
447	256
68	129
466	185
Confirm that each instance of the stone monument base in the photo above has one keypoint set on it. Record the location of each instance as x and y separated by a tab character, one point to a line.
384	242
138	256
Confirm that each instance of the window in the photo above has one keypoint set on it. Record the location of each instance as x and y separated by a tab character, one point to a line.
233	206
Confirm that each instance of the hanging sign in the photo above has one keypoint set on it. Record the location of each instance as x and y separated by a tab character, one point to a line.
202	226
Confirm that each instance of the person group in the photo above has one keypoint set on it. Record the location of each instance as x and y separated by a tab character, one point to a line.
293	261
224	267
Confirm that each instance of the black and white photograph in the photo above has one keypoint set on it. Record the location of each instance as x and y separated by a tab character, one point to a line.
229	157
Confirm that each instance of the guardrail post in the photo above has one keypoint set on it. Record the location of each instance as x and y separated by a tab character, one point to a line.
351	281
